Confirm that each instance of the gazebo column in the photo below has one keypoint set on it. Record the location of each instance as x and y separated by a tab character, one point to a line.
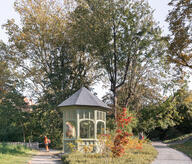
95	124
78	128
105	123
78	125
63	130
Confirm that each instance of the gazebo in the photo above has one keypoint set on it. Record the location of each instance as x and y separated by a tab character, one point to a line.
84	117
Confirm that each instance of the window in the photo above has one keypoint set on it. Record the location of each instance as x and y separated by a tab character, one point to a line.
70	130
92	115
74	116
69	115
81	115
86	114
104	116
101	115
66	115
86	129
100	128
97	115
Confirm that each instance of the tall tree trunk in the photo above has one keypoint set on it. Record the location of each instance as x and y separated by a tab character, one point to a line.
115	102
23	131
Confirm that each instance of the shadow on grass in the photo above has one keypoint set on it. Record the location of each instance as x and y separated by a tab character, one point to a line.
64	159
12	149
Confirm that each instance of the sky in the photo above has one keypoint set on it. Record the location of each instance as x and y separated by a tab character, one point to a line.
160	13
7	12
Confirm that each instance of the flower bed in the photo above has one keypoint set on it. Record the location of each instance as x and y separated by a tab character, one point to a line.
131	156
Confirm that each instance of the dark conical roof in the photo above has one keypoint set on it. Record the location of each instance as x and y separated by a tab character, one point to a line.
83	97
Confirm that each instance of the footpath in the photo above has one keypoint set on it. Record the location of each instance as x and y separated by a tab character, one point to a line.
44	157
168	155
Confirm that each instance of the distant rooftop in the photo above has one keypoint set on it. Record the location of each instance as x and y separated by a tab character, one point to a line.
83	97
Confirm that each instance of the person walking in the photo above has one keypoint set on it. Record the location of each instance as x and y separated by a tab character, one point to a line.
141	136
46	142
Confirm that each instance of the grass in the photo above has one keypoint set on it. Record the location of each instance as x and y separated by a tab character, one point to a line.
133	156
186	148
180	138
16	154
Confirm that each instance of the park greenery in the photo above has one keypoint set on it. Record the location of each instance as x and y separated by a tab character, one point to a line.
61	46
184	147
14	154
179	139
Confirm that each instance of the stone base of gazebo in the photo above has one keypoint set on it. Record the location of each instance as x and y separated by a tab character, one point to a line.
83	145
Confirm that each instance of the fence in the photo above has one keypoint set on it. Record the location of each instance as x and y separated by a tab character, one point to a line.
32	145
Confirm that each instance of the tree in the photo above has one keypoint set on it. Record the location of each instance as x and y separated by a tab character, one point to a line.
13	115
136	96
175	111
119	34
143	87
42	54
4	72
180	25
46	61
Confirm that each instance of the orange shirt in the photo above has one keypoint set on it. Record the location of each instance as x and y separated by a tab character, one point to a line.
46	140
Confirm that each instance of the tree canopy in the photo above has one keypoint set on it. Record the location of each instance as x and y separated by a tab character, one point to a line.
121	35
42	53
180	25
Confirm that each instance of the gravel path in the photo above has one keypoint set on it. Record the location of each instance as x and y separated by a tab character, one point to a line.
169	156
44	157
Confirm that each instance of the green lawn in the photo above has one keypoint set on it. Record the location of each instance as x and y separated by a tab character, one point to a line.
180	138
185	148
14	154
134	156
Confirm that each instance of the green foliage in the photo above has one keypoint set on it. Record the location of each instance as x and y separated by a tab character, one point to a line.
173	112
14	127
172	132
12	149
46	122
13	115
180	138
111	124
